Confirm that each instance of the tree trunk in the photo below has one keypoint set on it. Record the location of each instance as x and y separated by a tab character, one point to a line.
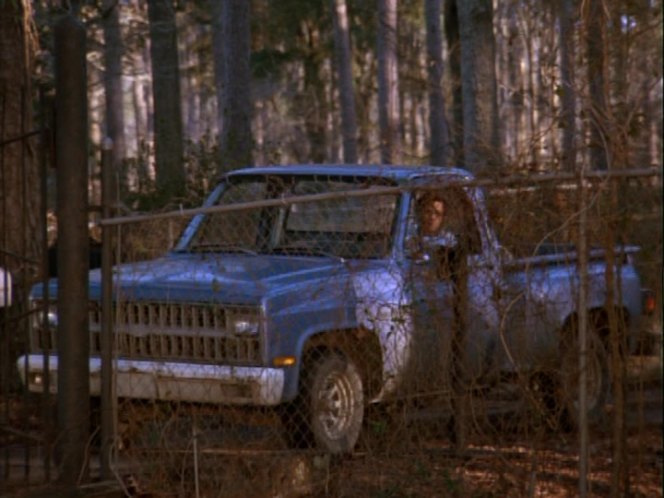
19	199
531	93
365	89
140	176
113	49
454	58
388	82
236	137
517	92
617	339
619	90
312	103
345	78
481	139
168	141
216	13
595	37
566	20
649	127
437	121
191	86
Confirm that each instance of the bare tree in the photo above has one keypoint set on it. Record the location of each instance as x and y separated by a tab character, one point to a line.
19	200
388	82
568	97
454	64
515	86
141	96
216	12
166	95
113	49
481	139
648	18
619	45
644	103
345	80
312	103
233	45
595	19
437	121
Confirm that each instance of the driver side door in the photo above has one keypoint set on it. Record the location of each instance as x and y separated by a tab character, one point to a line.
453	297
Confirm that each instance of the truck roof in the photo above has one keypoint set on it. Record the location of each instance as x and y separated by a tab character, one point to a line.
399	174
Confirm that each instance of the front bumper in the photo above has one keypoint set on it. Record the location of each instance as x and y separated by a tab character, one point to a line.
169	381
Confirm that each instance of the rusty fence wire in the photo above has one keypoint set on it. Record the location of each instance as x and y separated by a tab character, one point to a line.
320	340
24	161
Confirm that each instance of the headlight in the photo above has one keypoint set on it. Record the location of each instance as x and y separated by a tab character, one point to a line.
50	320
243	323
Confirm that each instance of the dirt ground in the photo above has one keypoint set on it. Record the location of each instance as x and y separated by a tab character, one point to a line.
505	457
546	469
519	464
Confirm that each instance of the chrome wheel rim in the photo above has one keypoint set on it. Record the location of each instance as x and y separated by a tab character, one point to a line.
335	405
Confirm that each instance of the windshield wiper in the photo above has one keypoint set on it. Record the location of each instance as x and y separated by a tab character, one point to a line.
232	248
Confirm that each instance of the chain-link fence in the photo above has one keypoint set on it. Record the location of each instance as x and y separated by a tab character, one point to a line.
313	333
24	158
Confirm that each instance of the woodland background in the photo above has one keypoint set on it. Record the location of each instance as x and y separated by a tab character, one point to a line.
188	90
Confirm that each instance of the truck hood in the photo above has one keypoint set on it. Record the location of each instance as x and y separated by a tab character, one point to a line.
229	278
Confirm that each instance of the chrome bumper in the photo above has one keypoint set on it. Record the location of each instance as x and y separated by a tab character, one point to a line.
169	381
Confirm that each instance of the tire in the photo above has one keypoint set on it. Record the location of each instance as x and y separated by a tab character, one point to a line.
567	385
333	403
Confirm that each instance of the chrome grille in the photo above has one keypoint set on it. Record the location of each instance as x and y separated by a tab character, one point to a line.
170	331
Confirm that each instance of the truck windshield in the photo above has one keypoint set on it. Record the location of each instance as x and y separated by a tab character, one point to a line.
335	224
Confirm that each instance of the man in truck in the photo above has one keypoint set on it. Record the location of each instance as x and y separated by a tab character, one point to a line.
436	238
431	213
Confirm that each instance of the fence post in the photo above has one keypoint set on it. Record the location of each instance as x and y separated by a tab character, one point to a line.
71	136
582	252
46	137
107	398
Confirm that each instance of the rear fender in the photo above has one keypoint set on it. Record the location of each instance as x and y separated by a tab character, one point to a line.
598	321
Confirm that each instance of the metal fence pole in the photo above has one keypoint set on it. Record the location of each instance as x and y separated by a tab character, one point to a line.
71	135
582	252
45	104
107	429
4	349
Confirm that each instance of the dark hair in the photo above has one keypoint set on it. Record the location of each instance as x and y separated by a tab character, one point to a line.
428	198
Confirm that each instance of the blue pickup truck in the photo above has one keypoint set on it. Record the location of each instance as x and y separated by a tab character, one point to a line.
310	288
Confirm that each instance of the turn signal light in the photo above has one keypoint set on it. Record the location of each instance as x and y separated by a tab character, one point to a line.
649	302
284	361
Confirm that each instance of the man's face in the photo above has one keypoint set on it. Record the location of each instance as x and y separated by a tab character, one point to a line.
431	217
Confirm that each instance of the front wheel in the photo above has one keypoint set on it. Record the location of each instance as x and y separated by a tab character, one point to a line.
333	402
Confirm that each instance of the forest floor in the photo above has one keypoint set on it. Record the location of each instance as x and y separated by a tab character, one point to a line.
420	461
516	465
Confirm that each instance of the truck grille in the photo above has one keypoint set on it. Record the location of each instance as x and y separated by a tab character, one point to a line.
171	331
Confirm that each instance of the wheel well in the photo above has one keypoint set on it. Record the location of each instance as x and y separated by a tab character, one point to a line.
360	345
